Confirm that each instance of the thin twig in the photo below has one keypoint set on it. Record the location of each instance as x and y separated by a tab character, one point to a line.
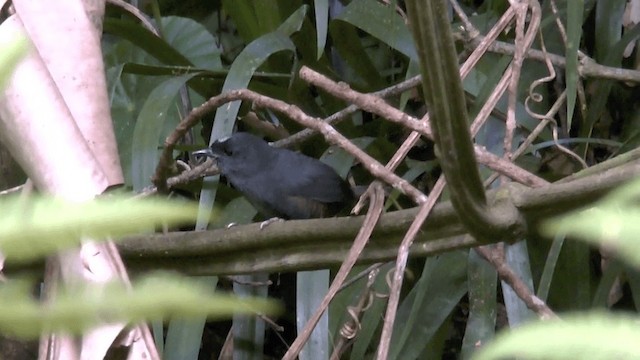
516	67
350	329
507	275
342	114
586	68
371	219
379	107
401	264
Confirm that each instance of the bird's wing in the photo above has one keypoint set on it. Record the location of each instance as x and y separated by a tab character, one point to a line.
313	180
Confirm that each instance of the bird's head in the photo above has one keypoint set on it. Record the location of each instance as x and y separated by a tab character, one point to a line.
240	148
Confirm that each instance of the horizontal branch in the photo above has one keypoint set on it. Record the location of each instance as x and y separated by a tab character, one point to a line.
320	243
587	67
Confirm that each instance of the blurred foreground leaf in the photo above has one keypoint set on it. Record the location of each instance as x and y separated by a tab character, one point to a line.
596	335
12	50
85	305
612	222
40	226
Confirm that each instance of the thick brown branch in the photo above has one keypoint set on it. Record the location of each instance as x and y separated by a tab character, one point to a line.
319	243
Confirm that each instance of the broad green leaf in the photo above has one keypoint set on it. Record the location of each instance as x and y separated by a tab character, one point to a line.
311	286
193	41
149	127
185	42
237	211
321	8
184	335
481	323
146	40
442	284
43	225
571	287
595	335
183	48
603	88
517	257
268	14
382	22
245	65
82	306
353	53
127	95
244	17
249	329
340	160
608	26
241	72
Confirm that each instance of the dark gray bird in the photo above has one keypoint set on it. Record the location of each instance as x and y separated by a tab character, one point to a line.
279	182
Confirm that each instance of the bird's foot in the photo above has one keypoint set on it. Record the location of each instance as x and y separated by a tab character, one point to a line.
266	223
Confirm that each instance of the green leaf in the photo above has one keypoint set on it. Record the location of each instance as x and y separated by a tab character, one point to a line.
595	335
184	335
550	267
517	257
342	161
244	17
268	14
608	25
321	8
82	306
481	323
311	286
12	50
247	62
249	329
372	317
442	284
603	87
616	228
192	40
237	211
348	43
40	226
149	128
381	22
575	9
146	40
612	222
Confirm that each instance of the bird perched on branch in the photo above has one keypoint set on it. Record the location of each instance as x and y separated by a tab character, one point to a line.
279	182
